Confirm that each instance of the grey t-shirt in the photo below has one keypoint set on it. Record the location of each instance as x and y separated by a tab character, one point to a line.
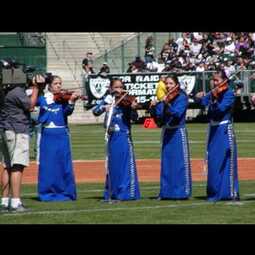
14	112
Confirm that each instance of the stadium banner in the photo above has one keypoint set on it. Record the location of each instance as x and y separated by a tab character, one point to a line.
141	85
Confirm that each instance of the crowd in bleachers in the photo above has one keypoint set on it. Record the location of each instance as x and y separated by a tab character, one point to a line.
193	51
87	65
199	52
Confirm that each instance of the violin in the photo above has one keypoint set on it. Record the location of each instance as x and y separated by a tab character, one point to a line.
64	96
172	93
124	99
223	86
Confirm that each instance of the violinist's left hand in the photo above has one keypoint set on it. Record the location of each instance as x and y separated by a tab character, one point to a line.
165	100
199	95
74	97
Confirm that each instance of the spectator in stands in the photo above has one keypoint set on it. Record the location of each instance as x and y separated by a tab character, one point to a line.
183	41
219	47
173	45
200	67
208	47
229	68
149	50
167	68
152	66
88	59
161	65
87	63
130	66
165	52
104	69
242	66
185	46
229	47
188	51
195	47
161	88
197	37
138	65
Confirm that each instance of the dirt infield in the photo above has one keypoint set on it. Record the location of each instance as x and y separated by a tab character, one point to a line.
148	170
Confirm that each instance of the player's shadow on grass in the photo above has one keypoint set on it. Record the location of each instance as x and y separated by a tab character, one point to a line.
31	198
152	198
247	199
200	197
93	198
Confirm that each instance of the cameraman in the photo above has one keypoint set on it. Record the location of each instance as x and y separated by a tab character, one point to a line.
14	141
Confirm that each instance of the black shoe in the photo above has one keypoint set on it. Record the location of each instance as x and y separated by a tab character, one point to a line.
19	209
4	209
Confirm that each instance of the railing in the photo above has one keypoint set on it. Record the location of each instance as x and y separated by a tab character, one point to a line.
53	47
73	65
93	37
65	54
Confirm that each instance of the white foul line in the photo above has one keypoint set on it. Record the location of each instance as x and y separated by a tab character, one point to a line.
121	208
103	209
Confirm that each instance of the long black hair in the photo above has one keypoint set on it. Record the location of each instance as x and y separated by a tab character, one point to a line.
174	77
222	74
114	80
52	78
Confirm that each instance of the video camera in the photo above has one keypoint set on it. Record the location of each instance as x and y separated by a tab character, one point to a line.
14	74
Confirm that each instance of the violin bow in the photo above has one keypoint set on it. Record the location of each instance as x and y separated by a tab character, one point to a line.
108	123
119	100
109	119
234	74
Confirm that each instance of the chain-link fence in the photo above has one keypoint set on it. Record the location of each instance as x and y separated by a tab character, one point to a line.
119	57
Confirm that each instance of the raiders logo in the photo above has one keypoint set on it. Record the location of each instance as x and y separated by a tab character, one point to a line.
98	86
187	83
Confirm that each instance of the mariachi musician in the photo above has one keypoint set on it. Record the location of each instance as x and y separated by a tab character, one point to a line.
121	175
56	180
222	181
170	114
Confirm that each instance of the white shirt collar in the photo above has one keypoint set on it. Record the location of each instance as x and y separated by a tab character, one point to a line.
49	97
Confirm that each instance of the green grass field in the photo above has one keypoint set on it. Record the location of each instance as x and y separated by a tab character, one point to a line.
88	141
88	144
89	209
